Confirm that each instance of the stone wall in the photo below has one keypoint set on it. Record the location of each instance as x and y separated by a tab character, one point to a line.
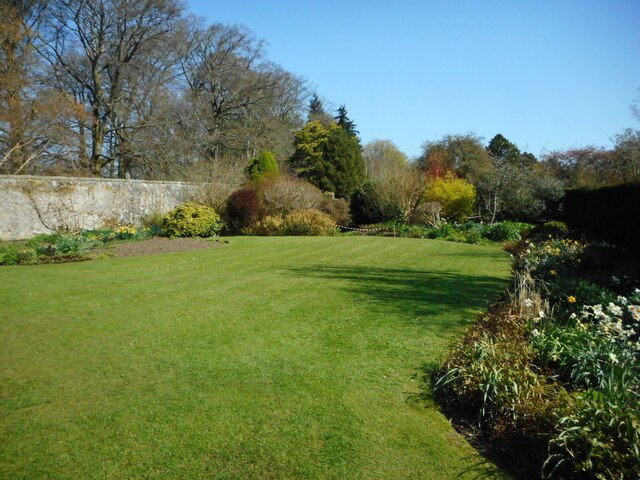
33	205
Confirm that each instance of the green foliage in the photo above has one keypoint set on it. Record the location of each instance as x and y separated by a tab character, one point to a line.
328	157
600	437
457	197
553	229
192	220
9	255
490	378
500	147
262	166
343	121
369	204
507	231
58	247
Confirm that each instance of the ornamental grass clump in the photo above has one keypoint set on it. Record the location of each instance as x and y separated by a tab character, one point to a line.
192	220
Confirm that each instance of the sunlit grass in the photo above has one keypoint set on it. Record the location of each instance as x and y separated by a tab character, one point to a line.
268	358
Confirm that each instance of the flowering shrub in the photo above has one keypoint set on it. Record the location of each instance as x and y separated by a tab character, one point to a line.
548	259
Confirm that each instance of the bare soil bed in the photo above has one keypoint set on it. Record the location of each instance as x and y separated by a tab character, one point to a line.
158	245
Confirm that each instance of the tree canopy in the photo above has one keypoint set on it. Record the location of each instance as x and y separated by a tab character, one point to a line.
328	157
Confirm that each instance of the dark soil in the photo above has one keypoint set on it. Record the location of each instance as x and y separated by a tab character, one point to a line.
158	245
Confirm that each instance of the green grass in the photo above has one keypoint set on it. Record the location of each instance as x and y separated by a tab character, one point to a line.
268	358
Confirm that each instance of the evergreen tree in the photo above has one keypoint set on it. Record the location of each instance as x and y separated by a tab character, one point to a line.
342	156
502	149
343	121
328	157
317	112
264	165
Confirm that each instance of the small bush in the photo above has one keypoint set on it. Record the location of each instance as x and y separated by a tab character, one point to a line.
243	208
308	222
506	231
9	255
192	220
263	166
268	226
283	195
554	229
60	244
427	213
337	209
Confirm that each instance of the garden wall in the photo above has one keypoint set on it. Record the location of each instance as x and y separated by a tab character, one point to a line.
33	205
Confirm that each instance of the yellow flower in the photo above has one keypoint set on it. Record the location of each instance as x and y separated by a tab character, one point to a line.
571	299
553	273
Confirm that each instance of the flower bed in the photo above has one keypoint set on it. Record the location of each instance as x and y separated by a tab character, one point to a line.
557	369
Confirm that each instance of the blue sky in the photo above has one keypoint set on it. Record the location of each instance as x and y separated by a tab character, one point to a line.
546	74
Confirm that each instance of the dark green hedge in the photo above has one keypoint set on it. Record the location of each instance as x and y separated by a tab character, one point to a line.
610	214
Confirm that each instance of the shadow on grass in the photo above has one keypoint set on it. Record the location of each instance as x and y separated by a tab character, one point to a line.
422	295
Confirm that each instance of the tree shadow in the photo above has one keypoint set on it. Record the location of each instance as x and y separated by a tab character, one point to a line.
423	297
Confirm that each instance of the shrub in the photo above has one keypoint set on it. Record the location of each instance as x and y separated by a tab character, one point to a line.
506	231
285	194
309	222
268	226
192	220
457	197
9	255
370	203
337	209
243	208
554	229
262	166
60	244
427	213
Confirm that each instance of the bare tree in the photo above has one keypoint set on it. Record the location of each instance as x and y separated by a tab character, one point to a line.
19	143
98	44
238	98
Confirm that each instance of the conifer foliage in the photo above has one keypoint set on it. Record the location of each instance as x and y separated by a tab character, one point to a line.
328	157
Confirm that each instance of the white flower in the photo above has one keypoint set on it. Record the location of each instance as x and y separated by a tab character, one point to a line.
528	303
535	332
615	280
614	358
614	309
622	300
541	314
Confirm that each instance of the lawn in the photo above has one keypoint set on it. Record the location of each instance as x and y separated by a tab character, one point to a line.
266	358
